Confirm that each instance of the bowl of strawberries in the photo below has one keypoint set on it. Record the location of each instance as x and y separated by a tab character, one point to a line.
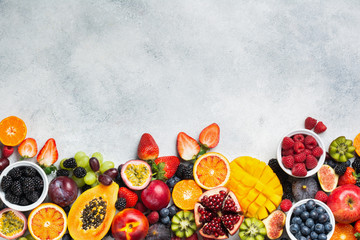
301	153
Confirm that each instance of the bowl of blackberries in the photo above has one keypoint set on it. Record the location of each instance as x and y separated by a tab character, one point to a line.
310	219
23	186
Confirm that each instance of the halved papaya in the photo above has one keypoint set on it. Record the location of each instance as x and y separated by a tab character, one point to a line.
91	214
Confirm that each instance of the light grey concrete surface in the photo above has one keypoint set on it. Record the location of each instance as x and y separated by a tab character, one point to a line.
96	75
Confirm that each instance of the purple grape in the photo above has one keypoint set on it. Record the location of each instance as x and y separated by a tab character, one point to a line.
105	179
94	164
112	172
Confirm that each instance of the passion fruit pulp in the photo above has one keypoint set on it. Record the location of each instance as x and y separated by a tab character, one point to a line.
13	223
136	174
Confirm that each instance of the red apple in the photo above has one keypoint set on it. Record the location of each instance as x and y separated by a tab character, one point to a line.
344	202
156	196
129	224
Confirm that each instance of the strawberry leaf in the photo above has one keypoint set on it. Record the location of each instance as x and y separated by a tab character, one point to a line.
157	170
357	235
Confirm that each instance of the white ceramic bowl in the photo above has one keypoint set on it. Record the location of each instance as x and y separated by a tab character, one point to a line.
42	174
289	213
320	143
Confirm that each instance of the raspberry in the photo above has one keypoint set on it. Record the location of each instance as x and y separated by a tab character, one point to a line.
310	142
299	170
141	207
307	152
287	143
120	204
299	147
153	217
285	205
299	138
310	123
311	162
317	152
287	152
300	157
288	161
321	196
320	127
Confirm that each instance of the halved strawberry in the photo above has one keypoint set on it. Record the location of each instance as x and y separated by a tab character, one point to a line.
171	165
147	149
48	155
210	136
28	148
187	147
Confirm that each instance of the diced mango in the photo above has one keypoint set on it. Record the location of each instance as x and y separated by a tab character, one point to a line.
262	213
252	209
252	195
261	199
269	206
259	186
275	199
259	170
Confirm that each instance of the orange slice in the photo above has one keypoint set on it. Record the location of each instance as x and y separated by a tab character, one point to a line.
343	232
47	221
211	170
12	131
356	144
185	194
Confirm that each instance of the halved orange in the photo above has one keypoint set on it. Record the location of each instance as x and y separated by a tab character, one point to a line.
356	144
12	131
47	221
343	232
185	194
211	170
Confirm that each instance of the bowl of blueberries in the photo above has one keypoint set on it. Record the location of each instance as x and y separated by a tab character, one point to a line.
310	219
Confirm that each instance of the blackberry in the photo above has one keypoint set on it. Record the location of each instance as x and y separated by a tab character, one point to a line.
32	196
120	204
287	187
119	180
356	165
180	171
12	198
62	172
79	172
6	182
70	163
30	172
340	169
66	209
289	196
28	185
188	172
15	173
38	183
23	202
16	188
85	187
274	165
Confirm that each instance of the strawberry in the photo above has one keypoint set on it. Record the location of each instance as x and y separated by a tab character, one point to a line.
357	229
299	138
317	152
310	142
320	127
299	147
287	143
48	155
311	162
171	165
153	217
321	196
147	149
28	148
141	207
300	157
7	151
210	136
299	170
187	147
285	205
310	123
349	177
130	196
288	161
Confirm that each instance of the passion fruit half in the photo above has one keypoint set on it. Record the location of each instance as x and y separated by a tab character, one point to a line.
136	174
13	223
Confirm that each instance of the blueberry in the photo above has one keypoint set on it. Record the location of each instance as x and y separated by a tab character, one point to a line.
294	228
302	238
304	215
303	207
323	218
328	227
348	163
298	235
165	220
164	212
309	222
310	205
314	214
296	220
322	237
320	210
171	182
176	179
297	211
331	163
305	231
319	228
314	235
172	210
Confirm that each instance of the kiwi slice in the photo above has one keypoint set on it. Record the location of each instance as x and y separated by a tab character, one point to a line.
252	229
183	224
341	149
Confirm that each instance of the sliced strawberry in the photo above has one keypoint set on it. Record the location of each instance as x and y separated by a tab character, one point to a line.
147	149
48	155
171	165
210	136
28	148
187	147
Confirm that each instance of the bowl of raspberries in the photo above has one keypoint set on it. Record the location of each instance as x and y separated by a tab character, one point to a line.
23	186
301	153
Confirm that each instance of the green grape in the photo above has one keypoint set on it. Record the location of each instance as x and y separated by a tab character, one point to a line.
99	157
88	169
61	163
79	181
83	161
78	155
106	165
95	184
90	178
